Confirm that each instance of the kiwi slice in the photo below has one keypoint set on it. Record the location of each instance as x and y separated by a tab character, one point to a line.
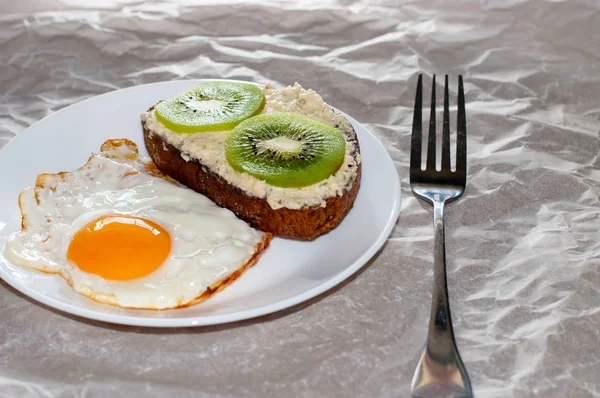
285	149
211	106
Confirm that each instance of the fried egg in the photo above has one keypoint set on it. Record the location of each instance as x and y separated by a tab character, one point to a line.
122	233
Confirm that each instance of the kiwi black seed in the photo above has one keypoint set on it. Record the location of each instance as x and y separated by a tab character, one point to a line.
285	149
211	106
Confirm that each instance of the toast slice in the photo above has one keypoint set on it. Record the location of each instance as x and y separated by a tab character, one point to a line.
197	161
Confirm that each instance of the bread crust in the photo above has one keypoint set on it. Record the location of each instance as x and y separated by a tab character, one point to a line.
306	223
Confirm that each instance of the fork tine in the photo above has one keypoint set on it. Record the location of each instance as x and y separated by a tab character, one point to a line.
461	128
417	129
446	130
431	140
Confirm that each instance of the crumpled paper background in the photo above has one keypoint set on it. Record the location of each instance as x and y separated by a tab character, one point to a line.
523	243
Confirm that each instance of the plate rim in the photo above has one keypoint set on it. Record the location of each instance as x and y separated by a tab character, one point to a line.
209	320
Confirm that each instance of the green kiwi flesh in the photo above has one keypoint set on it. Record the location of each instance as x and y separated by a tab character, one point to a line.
211	106
285	149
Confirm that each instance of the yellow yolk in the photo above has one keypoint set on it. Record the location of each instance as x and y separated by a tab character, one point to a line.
120	247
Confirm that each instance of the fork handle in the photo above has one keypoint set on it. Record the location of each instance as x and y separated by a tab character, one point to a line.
440	337
442	373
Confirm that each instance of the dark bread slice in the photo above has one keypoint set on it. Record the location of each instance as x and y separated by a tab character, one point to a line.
306	223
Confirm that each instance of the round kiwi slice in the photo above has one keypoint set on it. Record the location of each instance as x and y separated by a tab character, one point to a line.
285	149
211	106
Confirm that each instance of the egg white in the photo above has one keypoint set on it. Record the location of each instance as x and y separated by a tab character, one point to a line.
208	242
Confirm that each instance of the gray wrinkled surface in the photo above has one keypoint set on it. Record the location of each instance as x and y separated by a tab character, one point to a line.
523	244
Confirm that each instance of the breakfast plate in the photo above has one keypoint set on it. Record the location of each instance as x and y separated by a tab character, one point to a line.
288	273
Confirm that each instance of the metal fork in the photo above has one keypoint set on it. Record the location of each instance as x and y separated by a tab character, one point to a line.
440	372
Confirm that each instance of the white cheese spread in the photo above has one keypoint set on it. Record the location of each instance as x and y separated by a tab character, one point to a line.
209	149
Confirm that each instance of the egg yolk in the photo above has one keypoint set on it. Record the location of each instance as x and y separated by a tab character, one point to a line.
120	247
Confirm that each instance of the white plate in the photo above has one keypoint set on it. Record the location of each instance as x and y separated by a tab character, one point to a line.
288	273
